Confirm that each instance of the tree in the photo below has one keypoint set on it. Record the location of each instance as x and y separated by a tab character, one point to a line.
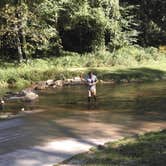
25	30
150	14
87	22
153	17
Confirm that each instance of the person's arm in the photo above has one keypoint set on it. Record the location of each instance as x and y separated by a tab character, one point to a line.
86	82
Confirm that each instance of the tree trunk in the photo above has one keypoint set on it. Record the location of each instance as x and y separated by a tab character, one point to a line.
19	48
21	39
23	19
145	23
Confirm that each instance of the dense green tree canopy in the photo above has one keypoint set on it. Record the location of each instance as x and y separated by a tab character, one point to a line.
151	15
39	28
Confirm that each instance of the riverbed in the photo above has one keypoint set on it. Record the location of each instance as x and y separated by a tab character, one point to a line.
62	123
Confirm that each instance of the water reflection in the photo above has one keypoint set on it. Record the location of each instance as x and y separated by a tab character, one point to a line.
122	100
119	110
142	98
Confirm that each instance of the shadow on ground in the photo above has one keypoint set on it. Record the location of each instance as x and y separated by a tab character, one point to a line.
121	110
148	150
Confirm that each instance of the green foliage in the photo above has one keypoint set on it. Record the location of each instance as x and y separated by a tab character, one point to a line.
44	28
81	27
28	28
71	63
147	149
152	18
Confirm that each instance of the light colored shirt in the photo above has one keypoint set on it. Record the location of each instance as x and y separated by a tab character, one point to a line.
91	80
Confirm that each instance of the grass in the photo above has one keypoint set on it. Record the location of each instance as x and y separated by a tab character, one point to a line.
148	150
126	63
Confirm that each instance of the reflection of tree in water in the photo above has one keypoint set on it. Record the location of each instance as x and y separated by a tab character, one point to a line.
152	99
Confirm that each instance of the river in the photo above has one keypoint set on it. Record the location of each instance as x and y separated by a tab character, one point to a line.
63	114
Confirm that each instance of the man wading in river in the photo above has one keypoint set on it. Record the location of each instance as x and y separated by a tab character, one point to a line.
91	81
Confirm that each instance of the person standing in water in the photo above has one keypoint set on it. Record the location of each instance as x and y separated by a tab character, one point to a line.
91	81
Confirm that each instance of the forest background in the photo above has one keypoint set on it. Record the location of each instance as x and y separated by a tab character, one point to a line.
41	39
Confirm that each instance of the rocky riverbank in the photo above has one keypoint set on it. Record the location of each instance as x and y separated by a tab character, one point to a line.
31	93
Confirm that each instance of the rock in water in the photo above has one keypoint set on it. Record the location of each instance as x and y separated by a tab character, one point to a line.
50	82
25	96
59	83
30	96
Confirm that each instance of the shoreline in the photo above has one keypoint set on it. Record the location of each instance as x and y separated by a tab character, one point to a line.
39	87
120	148
106	75
115	74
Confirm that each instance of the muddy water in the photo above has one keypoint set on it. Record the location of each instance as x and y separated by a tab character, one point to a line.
126	98
125	101
115	103
120	110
